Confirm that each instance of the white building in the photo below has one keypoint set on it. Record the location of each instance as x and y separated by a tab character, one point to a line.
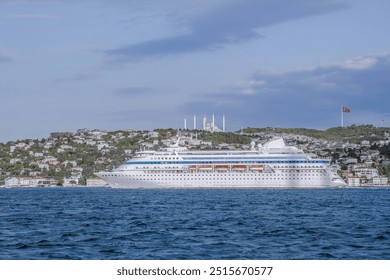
134	134
194	142
42	182
90	142
207	143
351	160
364	171
365	143
50	160
365	158
153	134
14	160
24	182
97	134
29	182
48	145
21	145
76	171
353	182
43	166
102	145
66	147
380	181
11	182
71	182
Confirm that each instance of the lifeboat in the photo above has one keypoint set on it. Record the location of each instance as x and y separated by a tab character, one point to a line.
239	167
192	168
256	167
222	167
205	167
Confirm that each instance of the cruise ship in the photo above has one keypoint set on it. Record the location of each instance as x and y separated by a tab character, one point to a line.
271	165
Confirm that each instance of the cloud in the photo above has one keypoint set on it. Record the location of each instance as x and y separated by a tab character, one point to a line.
361	62
230	22
307	96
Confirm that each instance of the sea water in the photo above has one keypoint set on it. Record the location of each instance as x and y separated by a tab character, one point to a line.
104	223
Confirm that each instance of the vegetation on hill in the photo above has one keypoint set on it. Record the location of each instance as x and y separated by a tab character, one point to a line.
222	137
352	134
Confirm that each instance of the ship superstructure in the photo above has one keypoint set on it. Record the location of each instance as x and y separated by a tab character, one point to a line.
271	165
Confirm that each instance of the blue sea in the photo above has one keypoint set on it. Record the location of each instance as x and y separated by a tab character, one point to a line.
103	223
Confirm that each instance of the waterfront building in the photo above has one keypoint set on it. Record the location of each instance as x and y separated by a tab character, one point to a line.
71	182
380	181
353	182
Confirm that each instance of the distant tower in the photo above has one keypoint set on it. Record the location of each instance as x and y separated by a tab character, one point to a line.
223	123
212	129
204	122
194	122
185	123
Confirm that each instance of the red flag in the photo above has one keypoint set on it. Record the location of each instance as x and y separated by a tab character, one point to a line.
346	110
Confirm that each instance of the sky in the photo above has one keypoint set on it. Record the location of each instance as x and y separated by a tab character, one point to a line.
143	64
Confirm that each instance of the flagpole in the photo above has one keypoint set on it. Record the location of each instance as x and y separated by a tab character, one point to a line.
344	110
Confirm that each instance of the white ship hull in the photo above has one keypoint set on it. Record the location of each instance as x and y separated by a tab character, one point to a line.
212	180
272	166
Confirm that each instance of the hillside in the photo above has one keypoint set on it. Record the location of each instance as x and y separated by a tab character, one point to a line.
82	153
351	134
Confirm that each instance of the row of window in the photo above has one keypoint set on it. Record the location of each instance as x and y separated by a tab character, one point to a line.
208	179
228	162
249	175
247	166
